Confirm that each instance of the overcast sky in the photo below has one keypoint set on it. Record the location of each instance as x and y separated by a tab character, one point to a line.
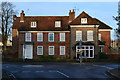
104	11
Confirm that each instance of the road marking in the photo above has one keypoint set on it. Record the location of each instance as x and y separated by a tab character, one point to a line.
63	74
39	71
26	71
14	71
32	66
104	66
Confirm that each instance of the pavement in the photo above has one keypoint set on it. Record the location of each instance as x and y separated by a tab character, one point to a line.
114	73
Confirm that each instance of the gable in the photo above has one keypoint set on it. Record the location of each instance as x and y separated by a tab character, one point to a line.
77	21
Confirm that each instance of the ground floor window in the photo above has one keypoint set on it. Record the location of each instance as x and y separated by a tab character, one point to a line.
39	50
87	51
51	50
62	50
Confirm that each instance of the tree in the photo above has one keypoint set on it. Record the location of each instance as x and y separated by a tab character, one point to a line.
6	19
117	18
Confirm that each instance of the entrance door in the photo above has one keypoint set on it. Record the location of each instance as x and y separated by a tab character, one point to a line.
28	51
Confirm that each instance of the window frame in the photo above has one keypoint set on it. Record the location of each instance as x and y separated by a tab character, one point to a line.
58	24
89	36
83	22
41	38
49	37
49	50
80	38
62	36
84	48
37	50
26	37
99	37
61	49
33	24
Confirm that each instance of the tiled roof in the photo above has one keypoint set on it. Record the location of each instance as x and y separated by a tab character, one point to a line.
47	23
43	23
102	25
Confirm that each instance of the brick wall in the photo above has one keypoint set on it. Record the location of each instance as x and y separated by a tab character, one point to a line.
84	37
105	36
46	44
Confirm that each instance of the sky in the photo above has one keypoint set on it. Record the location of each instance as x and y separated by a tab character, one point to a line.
103	11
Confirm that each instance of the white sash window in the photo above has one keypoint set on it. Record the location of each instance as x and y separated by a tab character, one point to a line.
62	36
39	36
28	37
89	35
78	35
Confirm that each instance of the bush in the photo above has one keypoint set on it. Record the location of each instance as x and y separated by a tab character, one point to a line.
103	55
47	58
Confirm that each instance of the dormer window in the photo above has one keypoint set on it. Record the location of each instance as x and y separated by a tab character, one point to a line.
83	20
33	24
57	23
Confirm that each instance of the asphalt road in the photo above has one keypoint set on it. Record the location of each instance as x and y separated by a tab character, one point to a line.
59	70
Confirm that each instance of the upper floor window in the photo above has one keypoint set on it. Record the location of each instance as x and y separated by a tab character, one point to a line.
62	36
33	24
39	36
78	35
28	37
99	36
51	37
83	20
89	35
57	23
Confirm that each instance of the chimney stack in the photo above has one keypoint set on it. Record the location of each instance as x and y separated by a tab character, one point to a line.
22	16
71	15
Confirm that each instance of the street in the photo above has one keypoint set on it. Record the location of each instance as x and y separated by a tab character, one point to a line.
59	70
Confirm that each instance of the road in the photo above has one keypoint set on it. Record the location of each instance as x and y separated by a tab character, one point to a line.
59	70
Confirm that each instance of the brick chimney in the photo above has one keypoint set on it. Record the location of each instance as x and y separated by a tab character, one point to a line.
71	15
22	16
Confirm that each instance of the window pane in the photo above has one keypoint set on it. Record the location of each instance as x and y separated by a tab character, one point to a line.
91	53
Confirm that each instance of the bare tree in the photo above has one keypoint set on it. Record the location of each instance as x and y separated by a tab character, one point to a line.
6	19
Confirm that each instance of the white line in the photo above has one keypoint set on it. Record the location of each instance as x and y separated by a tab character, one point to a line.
25	71
39	71
104	66
63	74
14	71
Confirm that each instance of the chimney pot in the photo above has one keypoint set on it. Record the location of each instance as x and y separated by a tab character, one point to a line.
71	15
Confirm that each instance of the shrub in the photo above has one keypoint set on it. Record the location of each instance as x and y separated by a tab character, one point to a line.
102	55
47	58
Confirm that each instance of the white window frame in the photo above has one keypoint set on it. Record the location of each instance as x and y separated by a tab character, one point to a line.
33	24
49	50
57	23
38	52
28	35
78	35
77	49
62	36
90	36
49	37
40	37
84	20
62	53
99	36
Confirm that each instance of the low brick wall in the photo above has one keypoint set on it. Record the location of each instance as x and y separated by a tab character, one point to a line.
114	56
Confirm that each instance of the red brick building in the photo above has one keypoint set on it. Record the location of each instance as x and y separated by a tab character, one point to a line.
59	36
